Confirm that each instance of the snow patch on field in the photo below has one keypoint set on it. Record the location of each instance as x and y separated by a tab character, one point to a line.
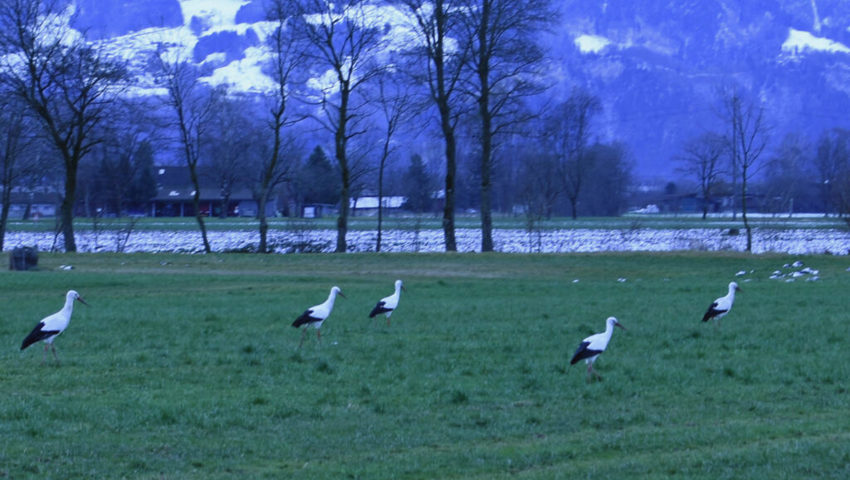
792	241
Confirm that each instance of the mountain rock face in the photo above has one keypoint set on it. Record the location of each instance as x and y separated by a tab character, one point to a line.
657	66
105	19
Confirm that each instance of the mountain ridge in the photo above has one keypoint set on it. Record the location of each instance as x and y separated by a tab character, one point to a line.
656	66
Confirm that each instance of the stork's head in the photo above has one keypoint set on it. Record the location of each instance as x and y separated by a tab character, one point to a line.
73	295
613	321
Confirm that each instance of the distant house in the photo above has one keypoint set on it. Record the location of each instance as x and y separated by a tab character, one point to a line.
33	204
689	203
318	210
174	197
368	204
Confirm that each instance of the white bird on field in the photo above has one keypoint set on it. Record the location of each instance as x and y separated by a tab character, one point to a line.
51	326
593	346
720	307
387	305
316	315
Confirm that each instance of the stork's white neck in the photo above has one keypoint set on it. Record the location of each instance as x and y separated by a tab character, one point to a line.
330	301
69	305
731	293
609	329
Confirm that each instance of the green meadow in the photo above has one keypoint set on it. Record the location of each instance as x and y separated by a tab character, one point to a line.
187	367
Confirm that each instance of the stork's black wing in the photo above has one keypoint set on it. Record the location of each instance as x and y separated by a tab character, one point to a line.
37	335
583	352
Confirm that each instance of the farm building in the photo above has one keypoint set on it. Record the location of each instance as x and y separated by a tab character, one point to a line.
174	197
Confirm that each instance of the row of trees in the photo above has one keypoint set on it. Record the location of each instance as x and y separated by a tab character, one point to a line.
342	77
736	154
469	59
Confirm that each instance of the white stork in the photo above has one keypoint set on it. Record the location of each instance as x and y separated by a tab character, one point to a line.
316	315
593	346
387	305
720	307
51	326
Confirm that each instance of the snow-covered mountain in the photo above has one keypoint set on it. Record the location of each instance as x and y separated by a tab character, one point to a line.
656	65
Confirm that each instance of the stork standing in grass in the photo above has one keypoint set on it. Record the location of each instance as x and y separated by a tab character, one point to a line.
51	326
720	307
593	346
387	305
316	315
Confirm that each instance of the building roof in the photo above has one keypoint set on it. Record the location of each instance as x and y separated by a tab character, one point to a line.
185	194
174	184
395	201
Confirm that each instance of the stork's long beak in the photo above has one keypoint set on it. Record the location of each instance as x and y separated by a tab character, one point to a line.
618	325
738	289
341	294
80	299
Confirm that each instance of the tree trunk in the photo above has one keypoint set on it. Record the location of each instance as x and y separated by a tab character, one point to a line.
449	206
381	197
486	129
574	207
264	225
225	206
196	202
451	171
744	211
4	215
66	209
342	160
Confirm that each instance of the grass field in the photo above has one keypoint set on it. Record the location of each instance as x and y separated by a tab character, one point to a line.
186	367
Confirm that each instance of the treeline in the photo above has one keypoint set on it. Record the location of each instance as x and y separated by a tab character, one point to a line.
448	107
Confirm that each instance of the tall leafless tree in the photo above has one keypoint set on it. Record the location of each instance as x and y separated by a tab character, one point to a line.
568	129
396	107
18	154
701	160
832	163
341	40
228	149
783	180
506	61
441	57
747	141
68	83
193	105
285	63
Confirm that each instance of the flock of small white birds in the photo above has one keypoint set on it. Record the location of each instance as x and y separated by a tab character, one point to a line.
588	350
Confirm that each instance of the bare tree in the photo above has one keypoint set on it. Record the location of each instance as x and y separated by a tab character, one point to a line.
18	157
396	107
506	60
538	186
193	106
115	175
342	38
608	181
783	180
435	23
747	141
287	58
228	148
832	162
568	128
701	159
68	83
